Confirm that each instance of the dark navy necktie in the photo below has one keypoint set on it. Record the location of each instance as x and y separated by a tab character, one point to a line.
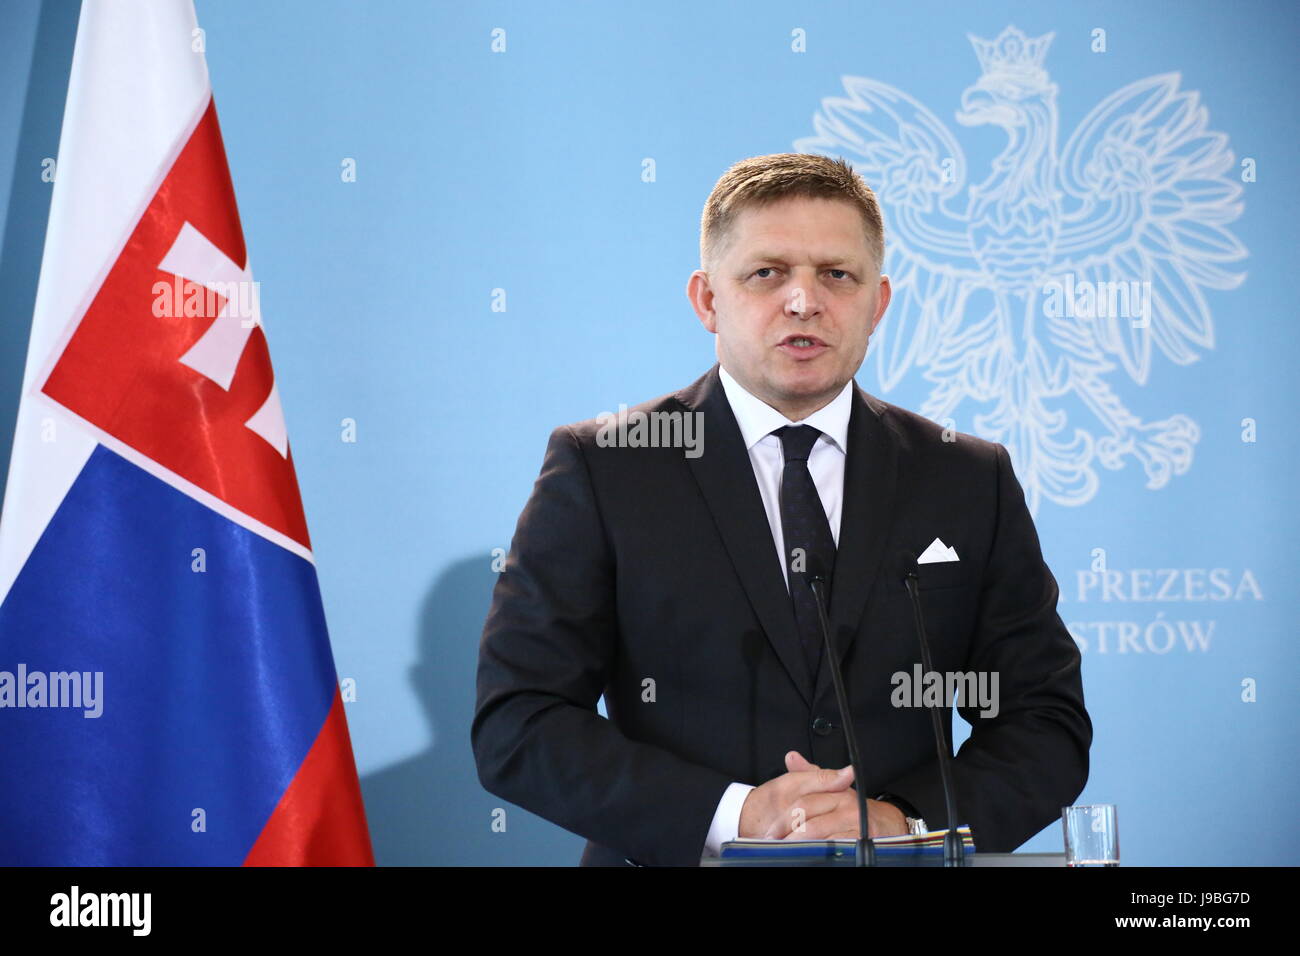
808	540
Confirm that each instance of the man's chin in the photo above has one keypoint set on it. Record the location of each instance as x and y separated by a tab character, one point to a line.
807	388
805	394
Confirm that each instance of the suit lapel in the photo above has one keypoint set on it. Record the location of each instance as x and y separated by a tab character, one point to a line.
870	485
726	479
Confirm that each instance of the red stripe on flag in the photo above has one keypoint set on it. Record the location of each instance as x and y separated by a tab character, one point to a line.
122	368
320	820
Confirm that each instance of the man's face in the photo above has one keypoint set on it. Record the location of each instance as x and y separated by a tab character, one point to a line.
793	299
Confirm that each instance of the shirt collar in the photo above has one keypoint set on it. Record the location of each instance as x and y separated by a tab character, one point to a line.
757	419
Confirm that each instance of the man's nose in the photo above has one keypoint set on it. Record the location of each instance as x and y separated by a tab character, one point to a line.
803	299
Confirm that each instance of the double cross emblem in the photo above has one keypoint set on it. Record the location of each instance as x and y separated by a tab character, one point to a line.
216	354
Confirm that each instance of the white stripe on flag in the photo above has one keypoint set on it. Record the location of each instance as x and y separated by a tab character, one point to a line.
132	98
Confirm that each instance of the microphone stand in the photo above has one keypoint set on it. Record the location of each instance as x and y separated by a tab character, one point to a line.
866	851
954	851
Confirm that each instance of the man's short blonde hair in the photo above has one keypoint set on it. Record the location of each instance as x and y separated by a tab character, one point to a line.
762	180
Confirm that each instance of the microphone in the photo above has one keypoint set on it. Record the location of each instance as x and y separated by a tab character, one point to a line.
816	577
954	851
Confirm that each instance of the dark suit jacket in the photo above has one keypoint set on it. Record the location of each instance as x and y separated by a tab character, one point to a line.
638	565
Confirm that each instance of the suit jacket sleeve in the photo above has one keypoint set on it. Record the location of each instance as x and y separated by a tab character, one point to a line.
1018	768
544	661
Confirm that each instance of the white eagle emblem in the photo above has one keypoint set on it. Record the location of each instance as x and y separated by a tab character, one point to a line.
1024	292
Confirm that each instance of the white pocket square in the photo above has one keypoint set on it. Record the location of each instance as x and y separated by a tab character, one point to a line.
937	552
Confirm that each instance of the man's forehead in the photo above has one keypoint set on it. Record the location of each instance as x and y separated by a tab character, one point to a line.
822	250
779	211
774	234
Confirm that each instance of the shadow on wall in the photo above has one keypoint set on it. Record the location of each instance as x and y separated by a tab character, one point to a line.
430	810
29	202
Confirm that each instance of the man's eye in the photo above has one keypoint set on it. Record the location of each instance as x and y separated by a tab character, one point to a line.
843	274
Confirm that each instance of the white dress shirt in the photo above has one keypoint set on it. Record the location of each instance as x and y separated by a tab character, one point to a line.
757	421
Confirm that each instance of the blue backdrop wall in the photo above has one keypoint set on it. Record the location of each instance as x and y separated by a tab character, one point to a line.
557	159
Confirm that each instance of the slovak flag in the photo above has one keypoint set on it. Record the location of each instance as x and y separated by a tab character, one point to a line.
167	691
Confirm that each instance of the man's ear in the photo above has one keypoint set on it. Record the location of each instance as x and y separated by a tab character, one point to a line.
700	293
886	291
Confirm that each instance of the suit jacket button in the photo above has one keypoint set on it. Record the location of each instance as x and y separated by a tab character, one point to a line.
821	726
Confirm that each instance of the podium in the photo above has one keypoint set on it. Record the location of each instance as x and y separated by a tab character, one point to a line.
973	859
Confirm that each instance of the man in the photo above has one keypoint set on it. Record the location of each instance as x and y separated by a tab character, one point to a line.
675	581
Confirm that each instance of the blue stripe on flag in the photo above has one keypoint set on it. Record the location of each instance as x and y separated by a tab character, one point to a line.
215	684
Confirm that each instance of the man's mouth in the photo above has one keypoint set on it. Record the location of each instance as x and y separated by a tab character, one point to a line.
802	346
